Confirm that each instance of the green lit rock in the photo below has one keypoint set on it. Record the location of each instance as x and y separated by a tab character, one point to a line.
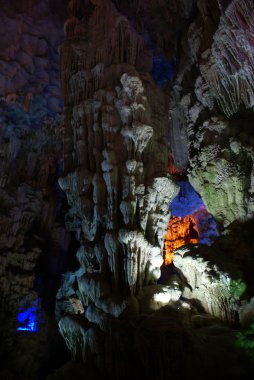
237	288
222	176
245	339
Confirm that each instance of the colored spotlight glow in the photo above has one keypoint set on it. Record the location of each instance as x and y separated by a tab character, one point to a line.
180	231
27	318
187	202
190	222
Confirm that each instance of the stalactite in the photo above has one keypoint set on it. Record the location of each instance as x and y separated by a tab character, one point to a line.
231	64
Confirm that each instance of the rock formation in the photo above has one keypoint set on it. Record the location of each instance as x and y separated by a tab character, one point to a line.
115	175
218	291
152	93
31	151
220	153
115	156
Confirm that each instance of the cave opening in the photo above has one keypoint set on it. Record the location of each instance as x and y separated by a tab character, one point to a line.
190	222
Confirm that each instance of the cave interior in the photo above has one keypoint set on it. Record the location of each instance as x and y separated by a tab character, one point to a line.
126	189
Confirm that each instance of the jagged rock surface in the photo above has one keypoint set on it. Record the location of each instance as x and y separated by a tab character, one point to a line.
115	183
222	173
229	70
217	289
218	45
114	158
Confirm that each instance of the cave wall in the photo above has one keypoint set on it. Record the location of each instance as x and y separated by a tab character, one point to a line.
31	156
213	91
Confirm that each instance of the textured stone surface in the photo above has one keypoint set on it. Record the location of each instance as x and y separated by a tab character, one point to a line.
229	70
30	145
217	290
114	159
120	123
222	173
193	342
214	80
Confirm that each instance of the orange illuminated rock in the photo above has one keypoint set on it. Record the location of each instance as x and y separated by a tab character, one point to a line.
179	232
172	168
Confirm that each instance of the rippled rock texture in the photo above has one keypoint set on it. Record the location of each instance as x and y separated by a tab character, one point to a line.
211	91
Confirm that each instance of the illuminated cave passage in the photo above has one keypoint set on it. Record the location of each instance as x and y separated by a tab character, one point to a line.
190	222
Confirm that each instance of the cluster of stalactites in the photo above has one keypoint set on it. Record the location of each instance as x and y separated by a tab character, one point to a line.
229	71
114	41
